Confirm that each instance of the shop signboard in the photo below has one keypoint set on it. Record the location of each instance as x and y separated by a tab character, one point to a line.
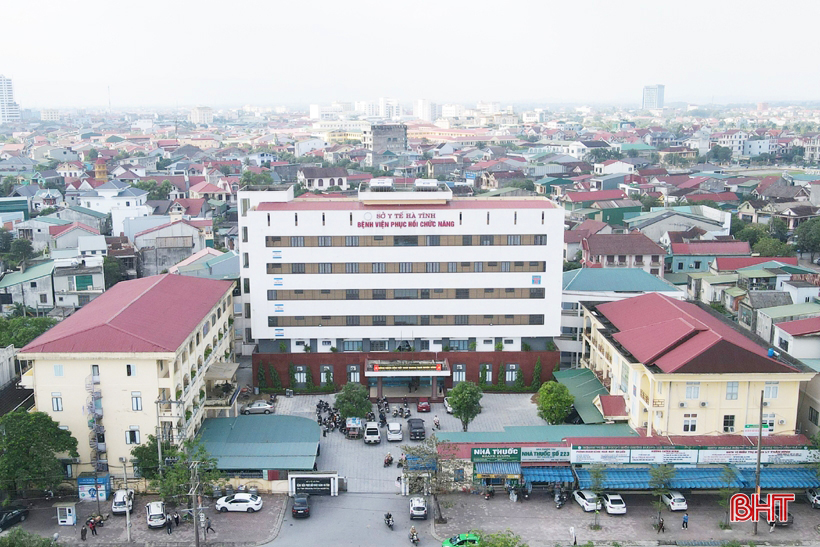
544	454
496	454
599	455
664	455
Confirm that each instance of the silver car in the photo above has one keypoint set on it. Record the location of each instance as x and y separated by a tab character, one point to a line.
258	407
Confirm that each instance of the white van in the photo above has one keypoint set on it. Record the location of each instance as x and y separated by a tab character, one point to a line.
372	433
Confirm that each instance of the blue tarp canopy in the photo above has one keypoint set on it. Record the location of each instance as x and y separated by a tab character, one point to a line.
707	478
628	478
414	463
497	469
782	477
558	473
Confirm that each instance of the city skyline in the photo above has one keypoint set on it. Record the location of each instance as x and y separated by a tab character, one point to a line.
295	64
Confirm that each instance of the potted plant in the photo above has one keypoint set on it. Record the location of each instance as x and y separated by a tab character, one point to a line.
202	394
208	352
188	414
179	394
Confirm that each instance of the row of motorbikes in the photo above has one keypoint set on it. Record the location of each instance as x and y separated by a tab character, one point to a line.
333	420
413	535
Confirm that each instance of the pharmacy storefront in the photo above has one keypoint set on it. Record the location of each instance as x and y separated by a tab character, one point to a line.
522	466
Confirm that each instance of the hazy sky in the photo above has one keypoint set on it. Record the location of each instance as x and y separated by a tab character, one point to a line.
172	52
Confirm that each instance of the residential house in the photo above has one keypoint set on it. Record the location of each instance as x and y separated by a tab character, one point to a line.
118	199
572	201
708	288
633	250
67	235
801	340
37	230
768	317
189	208
613	167
207	191
599	285
752	301
78	279
696	256
613	211
748	210
733	139
99	372
729	264
30	286
322	178
581	149
308	145
99	221
441	167
683	371
121	249
574	237
676	154
161	247
658	222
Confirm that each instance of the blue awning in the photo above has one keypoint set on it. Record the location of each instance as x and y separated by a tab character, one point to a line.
707	478
415	463
497	469
558	473
782	477
631	478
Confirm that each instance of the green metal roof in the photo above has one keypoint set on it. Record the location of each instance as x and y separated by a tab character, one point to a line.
584	385
722	278
89	212
792	310
53	220
813	364
636	146
735	291
261	442
33	272
614	279
500	191
677	278
750	272
537	433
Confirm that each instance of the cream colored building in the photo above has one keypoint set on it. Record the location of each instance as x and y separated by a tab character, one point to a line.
149	353
681	371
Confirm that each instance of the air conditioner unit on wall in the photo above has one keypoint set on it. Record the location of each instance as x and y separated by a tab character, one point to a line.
765	403
682	404
781	422
704	404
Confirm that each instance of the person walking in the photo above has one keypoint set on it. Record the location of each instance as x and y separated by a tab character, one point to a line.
208	525
685	525
661	527
83	532
93	527
169	523
176	518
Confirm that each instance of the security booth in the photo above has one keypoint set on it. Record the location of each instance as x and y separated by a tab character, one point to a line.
399	378
66	513
90	488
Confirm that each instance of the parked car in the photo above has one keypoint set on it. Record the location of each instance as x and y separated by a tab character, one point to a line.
423	405
416	428
587	500
447	406
613	503
788	522
372	435
258	407
674	500
462	540
813	495
394	432
301	506
418	508
123	501
239	502
11	514
155	514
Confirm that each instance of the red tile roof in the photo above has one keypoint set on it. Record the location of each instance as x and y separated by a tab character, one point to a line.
801	326
734	263
601	195
622	244
721	196
613	406
191	207
155	228
679	337
455	204
56	231
712	248
139	316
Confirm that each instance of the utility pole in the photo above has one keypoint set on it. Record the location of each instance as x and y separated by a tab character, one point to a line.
129	500
194	491
757	471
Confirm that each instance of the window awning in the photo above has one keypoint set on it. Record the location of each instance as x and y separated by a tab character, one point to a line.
782	477
498	470
558	473
707	478
631	478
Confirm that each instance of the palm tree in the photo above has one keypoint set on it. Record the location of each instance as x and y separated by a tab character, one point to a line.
21	310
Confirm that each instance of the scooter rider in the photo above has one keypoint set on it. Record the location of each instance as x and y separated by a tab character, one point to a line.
414	536
436	422
388	519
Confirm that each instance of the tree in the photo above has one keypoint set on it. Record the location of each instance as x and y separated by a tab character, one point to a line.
113	271
507	538
93	154
21	249
225	170
465	399
353	401
719	154
807	235
29	445
19	331
729	489
571	266
431	466
174	483
737	225
753	233
155	190
147	458
597	476
6	238
770	246
659	478
554	402
21	538
536	375
523	184
46	211
778	229
8	185
21	310
649	202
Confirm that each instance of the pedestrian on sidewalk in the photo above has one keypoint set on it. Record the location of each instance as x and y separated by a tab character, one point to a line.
83	532
208	525
176	518
685	525
661	527
93	527
169	523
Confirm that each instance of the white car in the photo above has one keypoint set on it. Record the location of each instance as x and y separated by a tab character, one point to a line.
613	503
155	514
372	435
394	432
587	500
239	502
813	495
123	501
675	501
447	405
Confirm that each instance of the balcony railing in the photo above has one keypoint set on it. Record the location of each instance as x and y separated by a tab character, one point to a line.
645	397
659	403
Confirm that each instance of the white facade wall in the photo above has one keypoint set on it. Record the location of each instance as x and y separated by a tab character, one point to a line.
755	148
346	221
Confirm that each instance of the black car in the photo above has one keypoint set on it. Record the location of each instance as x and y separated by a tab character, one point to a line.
416	428
301	506
11	514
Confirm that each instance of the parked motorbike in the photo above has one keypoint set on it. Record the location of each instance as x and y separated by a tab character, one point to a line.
406	412
388	520
395	412
560	499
